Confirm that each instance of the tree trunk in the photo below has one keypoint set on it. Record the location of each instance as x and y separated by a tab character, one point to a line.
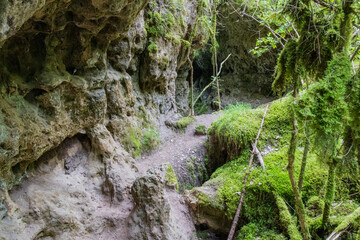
303	162
299	205
358	155
330	193
192	113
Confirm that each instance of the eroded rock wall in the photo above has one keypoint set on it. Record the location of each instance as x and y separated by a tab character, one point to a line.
69	65
100	69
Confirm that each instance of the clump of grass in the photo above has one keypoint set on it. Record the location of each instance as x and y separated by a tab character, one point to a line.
150	139
171	177
138	141
200	130
183	123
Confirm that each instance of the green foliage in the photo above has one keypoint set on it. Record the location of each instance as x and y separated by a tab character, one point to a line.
165	22
152	48
237	128
170	176
265	44
286	220
348	220
184	122
150	139
257	231
241	125
354	106
138	141
203	235
323	105
132	141
200	107
315	205
200	129
287	70
264	183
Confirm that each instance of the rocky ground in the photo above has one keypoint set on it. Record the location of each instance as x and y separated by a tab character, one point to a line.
63	197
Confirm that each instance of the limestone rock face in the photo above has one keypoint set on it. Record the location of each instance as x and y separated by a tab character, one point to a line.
65	196
158	213
86	68
67	66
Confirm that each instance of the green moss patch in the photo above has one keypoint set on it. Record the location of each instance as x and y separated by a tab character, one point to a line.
200	130
183	123
171	177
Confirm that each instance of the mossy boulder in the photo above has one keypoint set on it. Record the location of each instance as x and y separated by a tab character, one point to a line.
267	191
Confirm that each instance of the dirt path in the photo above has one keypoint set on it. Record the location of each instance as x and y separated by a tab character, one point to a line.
178	147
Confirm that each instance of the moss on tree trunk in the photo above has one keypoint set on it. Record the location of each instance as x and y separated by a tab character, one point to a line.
330	194
299	205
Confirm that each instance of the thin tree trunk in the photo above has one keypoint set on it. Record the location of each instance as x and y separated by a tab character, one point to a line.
237	214
303	162
217	78
192	113
358	155
299	205
214	43
330	194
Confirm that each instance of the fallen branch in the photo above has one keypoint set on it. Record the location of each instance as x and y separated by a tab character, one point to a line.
259	156
340	229
237	214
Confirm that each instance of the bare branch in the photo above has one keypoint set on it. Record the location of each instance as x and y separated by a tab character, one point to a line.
276	35
215	78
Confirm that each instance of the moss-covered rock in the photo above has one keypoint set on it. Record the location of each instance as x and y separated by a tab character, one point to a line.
170	177
267	191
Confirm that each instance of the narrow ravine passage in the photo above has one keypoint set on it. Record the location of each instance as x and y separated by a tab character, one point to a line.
176	149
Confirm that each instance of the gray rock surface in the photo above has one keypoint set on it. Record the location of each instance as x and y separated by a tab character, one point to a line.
75	70
159	212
